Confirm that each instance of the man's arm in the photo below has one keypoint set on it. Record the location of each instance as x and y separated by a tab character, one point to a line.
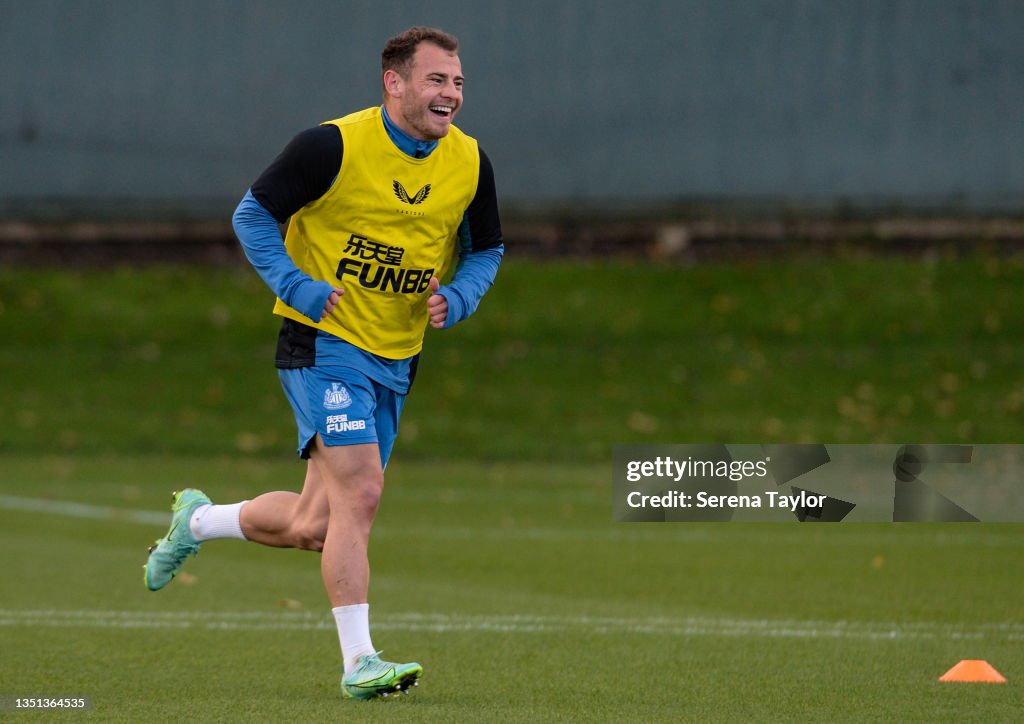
481	248
302	173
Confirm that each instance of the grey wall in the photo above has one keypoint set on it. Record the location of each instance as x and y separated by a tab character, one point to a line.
176	106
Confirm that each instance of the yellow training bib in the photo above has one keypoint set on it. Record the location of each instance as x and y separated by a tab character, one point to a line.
388	223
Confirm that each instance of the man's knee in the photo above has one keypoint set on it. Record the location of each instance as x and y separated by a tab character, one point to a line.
310	534
367	490
354	480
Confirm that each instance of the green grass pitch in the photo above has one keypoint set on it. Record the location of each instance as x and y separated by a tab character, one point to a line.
519	597
495	560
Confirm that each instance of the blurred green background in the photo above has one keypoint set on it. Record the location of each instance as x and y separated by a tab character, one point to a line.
563	360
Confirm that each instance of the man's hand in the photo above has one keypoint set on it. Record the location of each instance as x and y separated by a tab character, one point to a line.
437	305
331	303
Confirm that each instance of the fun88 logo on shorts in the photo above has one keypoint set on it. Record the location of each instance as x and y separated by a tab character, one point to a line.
341	423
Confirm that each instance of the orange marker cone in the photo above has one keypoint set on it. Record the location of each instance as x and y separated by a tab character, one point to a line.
974	670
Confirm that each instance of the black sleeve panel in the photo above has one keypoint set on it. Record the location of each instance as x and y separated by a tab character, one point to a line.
302	173
484	223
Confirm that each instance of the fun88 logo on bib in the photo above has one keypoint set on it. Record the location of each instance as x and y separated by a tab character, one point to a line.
337	397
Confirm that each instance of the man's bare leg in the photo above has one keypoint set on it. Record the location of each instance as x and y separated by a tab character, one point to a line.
352	480
285	519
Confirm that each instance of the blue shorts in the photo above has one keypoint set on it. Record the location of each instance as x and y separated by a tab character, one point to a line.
344	405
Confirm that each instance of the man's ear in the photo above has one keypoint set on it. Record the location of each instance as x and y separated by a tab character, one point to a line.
393	83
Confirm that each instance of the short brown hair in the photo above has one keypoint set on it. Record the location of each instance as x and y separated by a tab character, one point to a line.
398	51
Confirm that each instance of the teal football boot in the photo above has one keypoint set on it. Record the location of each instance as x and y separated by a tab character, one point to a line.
169	553
374	678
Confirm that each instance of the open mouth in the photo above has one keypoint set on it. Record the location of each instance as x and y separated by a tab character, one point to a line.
442	111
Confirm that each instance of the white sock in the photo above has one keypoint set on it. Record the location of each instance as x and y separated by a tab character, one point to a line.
353	632
217	521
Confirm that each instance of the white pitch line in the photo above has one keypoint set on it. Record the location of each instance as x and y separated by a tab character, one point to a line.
83	510
612	532
445	623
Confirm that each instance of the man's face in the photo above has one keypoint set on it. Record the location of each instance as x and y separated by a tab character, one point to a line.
432	94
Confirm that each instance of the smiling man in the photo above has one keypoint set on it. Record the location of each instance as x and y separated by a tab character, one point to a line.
423	93
381	206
